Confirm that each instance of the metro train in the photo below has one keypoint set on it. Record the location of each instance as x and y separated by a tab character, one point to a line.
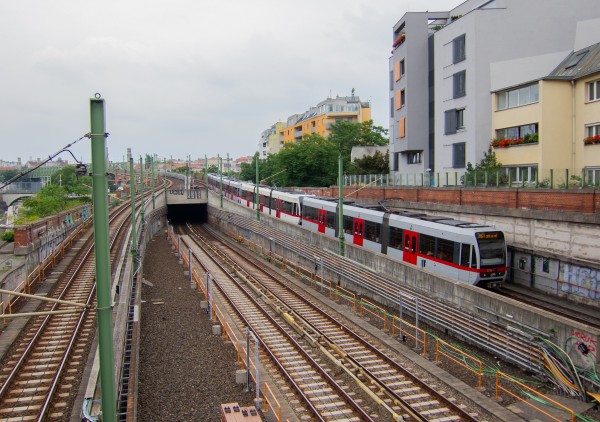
460	250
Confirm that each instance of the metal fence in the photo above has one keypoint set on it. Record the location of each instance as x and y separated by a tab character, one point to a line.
513	177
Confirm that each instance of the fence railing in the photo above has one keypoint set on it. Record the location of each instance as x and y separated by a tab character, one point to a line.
506	177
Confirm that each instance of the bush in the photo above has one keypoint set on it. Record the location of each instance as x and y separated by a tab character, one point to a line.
8	236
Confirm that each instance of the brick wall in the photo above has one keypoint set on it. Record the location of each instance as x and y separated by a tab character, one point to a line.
581	201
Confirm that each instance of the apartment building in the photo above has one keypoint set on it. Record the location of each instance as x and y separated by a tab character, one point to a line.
317	120
547	129
440	83
269	140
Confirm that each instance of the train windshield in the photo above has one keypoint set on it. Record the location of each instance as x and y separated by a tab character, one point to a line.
492	249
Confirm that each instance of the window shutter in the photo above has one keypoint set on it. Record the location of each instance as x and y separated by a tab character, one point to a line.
450	126
398	103
402	127
397	70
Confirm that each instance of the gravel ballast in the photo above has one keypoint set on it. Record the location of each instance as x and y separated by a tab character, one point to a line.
185	372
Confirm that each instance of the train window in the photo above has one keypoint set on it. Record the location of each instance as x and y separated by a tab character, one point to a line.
348	224
473	258
445	250
465	253
373	231
330	220
395	238
310	213
427	245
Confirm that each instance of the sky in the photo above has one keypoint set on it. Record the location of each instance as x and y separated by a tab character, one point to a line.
185	77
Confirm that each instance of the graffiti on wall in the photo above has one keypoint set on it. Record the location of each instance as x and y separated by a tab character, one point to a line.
591	345
580	281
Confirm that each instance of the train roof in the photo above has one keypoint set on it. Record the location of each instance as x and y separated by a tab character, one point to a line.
440	219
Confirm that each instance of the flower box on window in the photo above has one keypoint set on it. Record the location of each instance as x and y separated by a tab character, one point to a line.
399	40
505	143
591	140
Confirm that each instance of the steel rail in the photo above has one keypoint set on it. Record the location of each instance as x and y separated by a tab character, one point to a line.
360	340
82	259
315	365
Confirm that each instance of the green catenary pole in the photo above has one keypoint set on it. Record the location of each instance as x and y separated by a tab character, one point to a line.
142	210
341	204
257	197
133	229
220	178
152	180
101	251
206	174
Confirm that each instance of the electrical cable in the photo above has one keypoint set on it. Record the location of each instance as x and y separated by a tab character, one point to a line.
18	176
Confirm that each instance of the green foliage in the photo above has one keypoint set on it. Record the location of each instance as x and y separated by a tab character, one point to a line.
8	236
313	161
488	166
50	200
213	169
6	175
73	185
372	164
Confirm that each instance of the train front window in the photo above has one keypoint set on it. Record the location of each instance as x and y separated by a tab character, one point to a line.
492	249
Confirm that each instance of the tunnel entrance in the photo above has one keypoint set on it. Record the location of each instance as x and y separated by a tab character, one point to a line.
178	214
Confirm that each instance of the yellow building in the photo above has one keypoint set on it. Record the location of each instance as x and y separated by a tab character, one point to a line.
318	120
543	131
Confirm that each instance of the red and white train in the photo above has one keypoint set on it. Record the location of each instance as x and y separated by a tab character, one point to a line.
464	251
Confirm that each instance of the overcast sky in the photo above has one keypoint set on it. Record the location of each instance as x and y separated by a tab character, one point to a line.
185	76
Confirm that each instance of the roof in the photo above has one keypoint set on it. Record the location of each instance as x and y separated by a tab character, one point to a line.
578	64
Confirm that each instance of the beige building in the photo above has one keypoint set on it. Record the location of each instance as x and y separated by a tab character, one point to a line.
543	129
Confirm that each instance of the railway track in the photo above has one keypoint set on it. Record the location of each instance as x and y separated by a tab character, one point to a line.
386	389
579	313
39	377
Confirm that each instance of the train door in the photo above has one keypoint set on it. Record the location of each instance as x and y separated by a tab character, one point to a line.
359	231
322	220
278	207
260	201
248	195
410	247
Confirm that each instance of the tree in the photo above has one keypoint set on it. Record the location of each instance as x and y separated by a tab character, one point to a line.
74	185
346	135
6	175
373	164
489	166
310	162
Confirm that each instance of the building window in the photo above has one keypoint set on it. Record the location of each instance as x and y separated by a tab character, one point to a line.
458	155
517	132
454	120
391	107
402	97
395	161
458	49
594	91
391	80
517	97
522	174
402	67
593	176
459	81
593	130
413	157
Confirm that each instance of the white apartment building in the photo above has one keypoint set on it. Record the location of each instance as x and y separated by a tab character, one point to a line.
440	84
